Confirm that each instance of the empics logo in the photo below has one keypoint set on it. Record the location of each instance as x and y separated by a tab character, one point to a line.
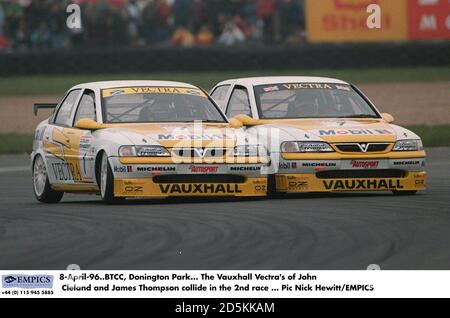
9	279
27	281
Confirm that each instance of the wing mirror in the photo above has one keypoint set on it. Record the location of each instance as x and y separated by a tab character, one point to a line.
235	123
246	120
387	117
88	124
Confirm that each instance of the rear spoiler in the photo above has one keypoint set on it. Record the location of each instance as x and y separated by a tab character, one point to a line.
36	107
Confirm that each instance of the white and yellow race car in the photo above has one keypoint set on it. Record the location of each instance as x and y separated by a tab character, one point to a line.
143	139
329	135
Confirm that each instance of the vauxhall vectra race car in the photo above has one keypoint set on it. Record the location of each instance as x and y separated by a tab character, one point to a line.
143	139
330	137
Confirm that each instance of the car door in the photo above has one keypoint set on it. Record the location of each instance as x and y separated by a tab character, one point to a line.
56	141
80	153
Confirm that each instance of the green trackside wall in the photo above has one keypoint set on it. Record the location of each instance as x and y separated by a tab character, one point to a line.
169	59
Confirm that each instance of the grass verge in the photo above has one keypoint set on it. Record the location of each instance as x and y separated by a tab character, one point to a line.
15	143
432	136
58	84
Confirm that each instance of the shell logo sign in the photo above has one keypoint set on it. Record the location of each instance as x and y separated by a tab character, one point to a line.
401	20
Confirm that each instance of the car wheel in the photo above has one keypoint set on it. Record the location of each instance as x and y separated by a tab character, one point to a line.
106	182
404	192
41	185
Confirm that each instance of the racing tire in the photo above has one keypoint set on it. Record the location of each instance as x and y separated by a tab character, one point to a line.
106	182
400	193
41	185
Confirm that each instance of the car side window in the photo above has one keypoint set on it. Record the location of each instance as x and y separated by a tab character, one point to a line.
239	103
86	107
65	110
219	94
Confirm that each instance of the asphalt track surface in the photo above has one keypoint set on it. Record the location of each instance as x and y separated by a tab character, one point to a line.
337	231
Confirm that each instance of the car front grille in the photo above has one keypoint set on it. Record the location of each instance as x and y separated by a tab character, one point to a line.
200	152
201	178
360	174
362	147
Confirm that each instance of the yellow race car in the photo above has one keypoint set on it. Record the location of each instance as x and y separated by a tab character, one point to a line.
143	139
326	135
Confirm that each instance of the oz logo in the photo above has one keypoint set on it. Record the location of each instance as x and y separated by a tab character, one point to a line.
74	19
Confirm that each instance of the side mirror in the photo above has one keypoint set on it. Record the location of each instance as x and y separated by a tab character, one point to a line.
235	123
388	117
88	124
246	120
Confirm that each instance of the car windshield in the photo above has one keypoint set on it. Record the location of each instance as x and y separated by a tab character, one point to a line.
158	104
311	100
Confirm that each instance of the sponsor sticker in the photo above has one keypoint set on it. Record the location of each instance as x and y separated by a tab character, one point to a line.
193	137
288	165
307	86
65	171
200	188
343	88
261	187
156	169
123	169
363	184
319	164
153	90
271	89
133	186
245	168
334	132
298	185
117	92
203	169
27	281
85	142
367	164
407	163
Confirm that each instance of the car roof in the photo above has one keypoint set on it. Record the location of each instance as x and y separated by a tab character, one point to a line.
117	84
267	80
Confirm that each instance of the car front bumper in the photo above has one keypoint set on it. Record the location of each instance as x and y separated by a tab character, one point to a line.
149	177
295	183
147	187
351	174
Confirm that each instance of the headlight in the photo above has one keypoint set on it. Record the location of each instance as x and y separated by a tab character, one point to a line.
408	145
250	151
304	147
143	151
